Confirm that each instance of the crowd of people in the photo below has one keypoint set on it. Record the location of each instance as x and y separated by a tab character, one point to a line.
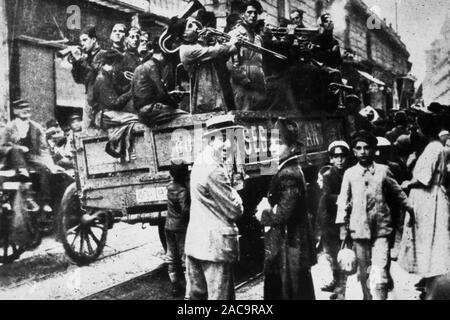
383	200
384	191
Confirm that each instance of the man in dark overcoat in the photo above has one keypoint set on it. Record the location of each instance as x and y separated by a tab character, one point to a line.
288	239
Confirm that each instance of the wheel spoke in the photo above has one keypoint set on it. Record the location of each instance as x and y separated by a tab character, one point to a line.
14	248
81	241
88	242
94	237
74	238
99	227
73	230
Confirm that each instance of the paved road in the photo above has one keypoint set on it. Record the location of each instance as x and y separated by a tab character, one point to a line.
131	257
403	287
154	286
46	273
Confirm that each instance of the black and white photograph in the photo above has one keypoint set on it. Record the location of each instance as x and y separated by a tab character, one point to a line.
233	150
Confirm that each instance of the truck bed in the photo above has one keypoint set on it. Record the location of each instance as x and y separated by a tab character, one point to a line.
140	185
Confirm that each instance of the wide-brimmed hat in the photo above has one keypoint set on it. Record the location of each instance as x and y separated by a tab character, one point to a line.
217	124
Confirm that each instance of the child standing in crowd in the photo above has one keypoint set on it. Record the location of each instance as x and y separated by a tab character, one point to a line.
362	205
178	202
329	230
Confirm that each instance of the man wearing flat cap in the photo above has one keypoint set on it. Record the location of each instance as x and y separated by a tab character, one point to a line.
24	146
211	244
363	209
329	231
288	239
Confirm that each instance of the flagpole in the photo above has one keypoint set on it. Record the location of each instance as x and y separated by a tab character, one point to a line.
396	16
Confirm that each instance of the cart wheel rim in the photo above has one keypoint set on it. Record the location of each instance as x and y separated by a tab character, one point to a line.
85	241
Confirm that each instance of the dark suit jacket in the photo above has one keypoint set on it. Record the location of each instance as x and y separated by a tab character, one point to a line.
85	71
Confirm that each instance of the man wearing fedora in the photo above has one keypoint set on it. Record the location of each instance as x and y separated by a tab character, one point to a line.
212	235
25	147
288	239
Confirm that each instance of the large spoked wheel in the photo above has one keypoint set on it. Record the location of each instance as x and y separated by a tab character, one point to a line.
9	251
83	232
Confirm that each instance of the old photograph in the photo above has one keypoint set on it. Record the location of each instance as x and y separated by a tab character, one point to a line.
236	150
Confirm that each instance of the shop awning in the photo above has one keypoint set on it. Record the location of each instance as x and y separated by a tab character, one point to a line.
128	6
371	78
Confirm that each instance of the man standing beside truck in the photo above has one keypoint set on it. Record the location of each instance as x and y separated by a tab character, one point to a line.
212	235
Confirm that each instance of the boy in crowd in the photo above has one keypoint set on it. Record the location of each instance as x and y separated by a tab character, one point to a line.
329	230
178	202
363	208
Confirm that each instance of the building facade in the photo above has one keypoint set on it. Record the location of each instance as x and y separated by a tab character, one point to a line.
436	85
377	65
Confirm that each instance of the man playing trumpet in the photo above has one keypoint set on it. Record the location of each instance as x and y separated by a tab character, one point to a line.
206	66
86	64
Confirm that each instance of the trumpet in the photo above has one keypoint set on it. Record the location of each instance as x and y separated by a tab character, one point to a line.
302	33
219	35
67	52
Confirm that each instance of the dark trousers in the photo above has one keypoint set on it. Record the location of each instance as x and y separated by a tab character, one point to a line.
285	279
331	243
17	159
175	255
